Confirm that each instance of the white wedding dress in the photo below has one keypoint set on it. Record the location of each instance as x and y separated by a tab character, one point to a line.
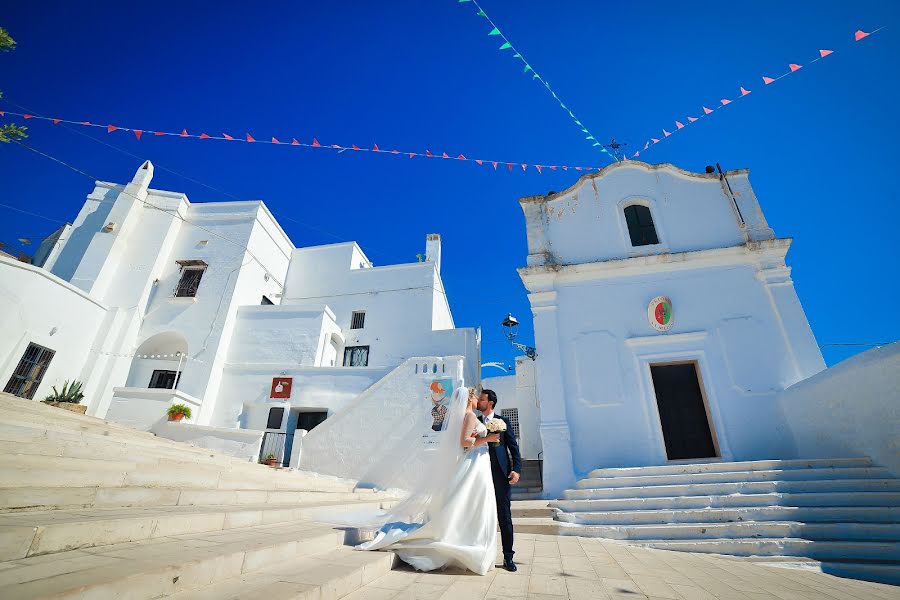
460	530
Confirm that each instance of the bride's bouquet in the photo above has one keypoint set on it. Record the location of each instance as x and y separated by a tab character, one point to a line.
496	425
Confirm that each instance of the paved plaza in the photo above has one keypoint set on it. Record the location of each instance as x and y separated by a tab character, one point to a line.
556	567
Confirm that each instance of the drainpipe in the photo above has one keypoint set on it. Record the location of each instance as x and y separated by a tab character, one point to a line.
733	199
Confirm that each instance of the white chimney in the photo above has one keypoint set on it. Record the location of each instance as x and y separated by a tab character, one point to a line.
433	250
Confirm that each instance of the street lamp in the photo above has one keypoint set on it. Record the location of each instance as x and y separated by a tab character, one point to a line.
511	324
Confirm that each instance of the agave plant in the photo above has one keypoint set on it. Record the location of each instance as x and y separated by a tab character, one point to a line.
70	393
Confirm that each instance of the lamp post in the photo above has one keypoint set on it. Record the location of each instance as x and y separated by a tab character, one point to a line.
511	324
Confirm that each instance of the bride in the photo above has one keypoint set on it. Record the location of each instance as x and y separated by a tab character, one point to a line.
458	527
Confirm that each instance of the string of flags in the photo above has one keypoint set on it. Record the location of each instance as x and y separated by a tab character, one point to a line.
248	138
535	76
744	92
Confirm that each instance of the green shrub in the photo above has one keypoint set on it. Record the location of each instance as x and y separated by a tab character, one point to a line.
179	408
70	393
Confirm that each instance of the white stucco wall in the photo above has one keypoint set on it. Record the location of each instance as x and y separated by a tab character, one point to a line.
38	307
518	391
851	409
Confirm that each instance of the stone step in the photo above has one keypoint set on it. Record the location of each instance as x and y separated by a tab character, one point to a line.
863	532
824	550
51	498
720	466
880	573
823	499
532	508
516	496
737	476
538	525
326	576
163	566
44	532
733	515
749	487
46	471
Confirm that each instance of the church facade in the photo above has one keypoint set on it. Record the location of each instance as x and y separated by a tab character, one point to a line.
666	321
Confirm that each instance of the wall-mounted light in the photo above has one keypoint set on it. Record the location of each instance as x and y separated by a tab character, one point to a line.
511	324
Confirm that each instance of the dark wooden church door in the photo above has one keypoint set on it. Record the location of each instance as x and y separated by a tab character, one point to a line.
682	411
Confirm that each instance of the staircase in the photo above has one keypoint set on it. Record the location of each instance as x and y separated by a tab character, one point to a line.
530	485
94	509
843	512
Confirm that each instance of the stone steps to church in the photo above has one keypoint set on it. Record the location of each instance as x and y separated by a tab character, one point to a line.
856	532
725	467
843	514
811	499
879	553
176	564
736	487
35	533
810	474
53	498
532	508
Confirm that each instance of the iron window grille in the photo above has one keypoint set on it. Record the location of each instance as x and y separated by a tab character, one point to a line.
29	372
640	225
356	356
358	321
189	282
512	414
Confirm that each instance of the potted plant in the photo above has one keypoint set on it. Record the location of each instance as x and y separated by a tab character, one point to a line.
177	412
68	398
270	460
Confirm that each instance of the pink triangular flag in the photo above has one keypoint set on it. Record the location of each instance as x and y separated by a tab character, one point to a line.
110	128
461	157
767	80
795	67
824	53
493	162
275	140
479	161
636	154
445	155
250	138
294	142
706	110
744	92
137	133
428	153
184	133
316	143
227	137
666	133
538	167
355	147
412	154
524	166
509	167
375	148
203	136
692	119
654	140
647	145
860	34
725	101
55	121
679	124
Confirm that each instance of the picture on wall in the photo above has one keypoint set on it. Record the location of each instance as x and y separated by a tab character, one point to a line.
439	391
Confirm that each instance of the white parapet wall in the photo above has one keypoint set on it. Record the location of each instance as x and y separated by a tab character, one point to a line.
851	409
240	443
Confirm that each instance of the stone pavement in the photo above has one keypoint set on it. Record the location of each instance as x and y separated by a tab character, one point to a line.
558	567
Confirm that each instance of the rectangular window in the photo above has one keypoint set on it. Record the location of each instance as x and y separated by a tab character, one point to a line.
358	321
191	273
356	356
163	380
276	415
29	372
513	415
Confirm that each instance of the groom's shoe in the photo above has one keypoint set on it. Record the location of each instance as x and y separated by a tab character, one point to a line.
509	565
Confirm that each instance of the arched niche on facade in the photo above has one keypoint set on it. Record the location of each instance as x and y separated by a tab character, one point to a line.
159	361
649	207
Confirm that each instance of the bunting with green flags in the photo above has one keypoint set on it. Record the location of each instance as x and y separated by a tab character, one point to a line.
507	45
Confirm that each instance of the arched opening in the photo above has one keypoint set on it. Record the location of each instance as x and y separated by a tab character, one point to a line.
159	362
641	229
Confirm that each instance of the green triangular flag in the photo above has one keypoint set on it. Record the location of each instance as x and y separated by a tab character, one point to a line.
494	31
590	137
597	144
461	1
585	130
577	121
535	76
481	14
505	46
527	68
517	55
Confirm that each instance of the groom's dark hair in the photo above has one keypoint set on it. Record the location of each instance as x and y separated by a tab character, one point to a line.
492	397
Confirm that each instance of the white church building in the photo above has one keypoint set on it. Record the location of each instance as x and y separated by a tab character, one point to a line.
150	300
666	325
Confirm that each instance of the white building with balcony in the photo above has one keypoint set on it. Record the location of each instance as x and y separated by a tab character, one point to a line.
151	300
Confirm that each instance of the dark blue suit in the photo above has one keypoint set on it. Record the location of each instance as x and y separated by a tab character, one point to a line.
505	458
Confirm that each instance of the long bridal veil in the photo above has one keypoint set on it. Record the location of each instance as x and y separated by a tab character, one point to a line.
391	441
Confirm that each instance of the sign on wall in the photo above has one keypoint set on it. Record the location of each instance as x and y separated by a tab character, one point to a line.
281	387
659	313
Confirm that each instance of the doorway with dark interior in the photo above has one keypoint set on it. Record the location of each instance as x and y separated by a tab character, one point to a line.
300	419
683	413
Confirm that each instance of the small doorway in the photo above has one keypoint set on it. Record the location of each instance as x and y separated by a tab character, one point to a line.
309	420
682	411
299	420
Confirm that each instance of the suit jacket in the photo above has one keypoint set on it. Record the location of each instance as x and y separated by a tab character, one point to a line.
505	456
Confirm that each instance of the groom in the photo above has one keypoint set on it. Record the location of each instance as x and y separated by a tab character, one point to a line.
506	464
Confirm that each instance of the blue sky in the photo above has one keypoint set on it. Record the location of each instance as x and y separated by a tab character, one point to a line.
821	144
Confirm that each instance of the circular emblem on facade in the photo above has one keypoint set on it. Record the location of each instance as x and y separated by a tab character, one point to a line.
659	313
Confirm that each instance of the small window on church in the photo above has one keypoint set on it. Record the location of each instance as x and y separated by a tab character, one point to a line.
513	415
358	320
640	225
